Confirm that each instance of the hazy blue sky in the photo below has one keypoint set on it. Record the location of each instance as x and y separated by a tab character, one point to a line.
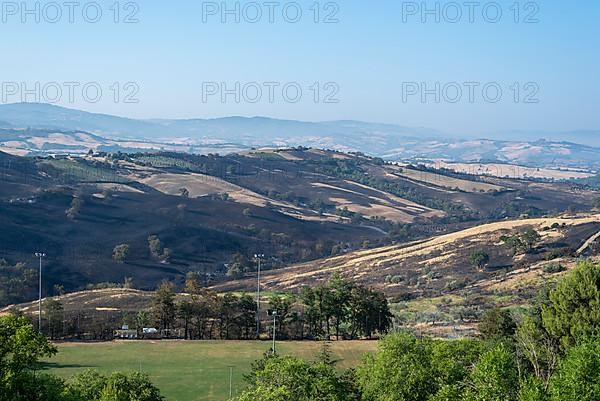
368	54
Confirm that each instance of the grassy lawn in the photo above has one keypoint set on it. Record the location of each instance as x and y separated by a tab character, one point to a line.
191	371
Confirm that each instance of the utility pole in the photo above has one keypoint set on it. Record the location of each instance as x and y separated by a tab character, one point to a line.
40	255
259	257
230	382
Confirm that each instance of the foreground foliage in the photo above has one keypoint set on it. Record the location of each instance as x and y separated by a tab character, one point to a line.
551	353
291	379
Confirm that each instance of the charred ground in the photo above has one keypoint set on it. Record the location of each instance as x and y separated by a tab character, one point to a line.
212	213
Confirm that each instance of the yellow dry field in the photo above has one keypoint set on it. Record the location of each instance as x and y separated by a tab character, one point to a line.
443	181
14	148
437	249
200	185
513	171
339	156
117	188
63	139
103	299
383	204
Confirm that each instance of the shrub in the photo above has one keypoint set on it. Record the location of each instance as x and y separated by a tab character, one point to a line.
554	268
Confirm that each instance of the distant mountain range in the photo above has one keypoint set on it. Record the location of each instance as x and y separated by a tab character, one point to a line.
30	128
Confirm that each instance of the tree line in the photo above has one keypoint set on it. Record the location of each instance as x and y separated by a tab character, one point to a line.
337	308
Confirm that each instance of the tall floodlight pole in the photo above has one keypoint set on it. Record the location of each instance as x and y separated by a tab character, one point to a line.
274	328
258	256
40	255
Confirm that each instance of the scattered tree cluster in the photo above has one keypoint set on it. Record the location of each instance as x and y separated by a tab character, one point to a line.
17	282
157	250
551	353
522	242
120	252
343	308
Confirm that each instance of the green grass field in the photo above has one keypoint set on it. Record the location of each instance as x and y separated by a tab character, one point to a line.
192	371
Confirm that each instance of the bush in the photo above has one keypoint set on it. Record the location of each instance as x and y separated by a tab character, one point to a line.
291	379
91	385
554	268
532	389
497	324
578	378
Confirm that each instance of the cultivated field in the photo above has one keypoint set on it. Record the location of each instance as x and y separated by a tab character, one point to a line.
192	371
501	170
445	181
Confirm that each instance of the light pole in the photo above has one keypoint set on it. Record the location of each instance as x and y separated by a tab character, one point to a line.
274	327
40	255
230	382
259	257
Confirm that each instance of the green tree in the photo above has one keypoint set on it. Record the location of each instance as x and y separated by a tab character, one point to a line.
573	314
340	299
494	377
401	370
75	209
20	349
54	313
186	310
538	348
87	385
132	387
155	246
142	319
522	242
369	312
164	308
92	386
291	379
497	324
192	283
530	238
157	250
239	265
479	258
282	304
578	377
120	252
453	360
246	317
448	393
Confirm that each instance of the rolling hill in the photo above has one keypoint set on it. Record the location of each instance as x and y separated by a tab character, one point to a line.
433	287
212	213
31	128
433	284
